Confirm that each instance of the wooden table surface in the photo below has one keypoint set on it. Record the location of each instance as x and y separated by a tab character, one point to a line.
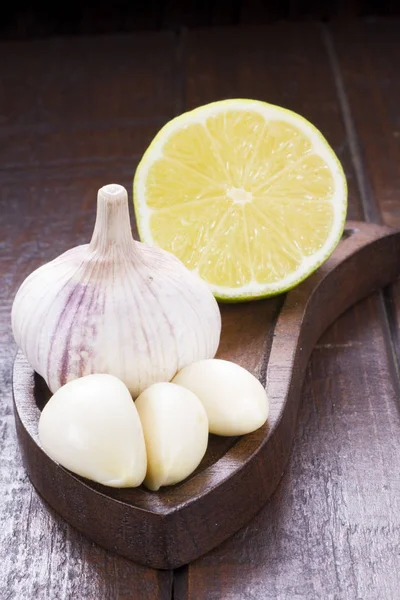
78	113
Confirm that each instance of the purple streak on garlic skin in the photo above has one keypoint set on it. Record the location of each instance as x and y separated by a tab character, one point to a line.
114	306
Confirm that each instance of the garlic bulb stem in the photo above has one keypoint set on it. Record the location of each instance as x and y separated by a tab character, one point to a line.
112	228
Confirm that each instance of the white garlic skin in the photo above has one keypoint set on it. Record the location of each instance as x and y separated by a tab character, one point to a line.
235	401
114	306
175	428
91	427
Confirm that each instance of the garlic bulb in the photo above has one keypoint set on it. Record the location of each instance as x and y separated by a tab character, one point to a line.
235	401
91	427
114	306
175	428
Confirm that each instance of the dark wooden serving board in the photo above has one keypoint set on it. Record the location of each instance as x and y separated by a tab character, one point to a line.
178	524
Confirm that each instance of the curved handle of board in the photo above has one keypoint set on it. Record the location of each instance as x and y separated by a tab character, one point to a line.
366	259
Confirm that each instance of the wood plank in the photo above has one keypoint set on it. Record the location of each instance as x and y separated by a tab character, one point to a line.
368	57
84	100
74	115
330	528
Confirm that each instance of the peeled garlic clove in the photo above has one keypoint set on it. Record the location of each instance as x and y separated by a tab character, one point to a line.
235	401
91	427
114	306
175	428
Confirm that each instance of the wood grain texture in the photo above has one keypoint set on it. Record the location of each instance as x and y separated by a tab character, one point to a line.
326	532
74	115
368	58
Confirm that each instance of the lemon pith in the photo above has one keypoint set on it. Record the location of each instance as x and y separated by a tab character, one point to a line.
247	194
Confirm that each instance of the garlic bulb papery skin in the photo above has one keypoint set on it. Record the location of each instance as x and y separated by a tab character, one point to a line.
175	428
235	401
114	306
91	427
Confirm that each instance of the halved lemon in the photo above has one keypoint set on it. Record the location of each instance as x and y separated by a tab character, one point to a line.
247	194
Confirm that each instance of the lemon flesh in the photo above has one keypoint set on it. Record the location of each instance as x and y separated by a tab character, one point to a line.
248	195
